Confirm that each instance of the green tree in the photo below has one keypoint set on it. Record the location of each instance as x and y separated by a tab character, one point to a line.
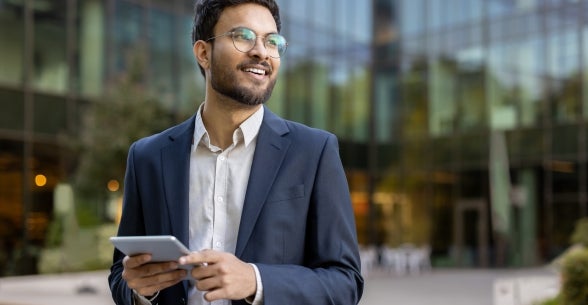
108	127
574	290
580	234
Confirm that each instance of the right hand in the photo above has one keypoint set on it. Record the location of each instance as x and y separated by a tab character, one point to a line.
148	278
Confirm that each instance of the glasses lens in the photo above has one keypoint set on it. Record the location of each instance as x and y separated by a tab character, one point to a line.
276	45
244	39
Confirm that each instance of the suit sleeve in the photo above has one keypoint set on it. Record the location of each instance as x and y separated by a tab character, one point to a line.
331	273
121	293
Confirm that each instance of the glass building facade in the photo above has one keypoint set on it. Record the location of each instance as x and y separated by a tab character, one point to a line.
462	123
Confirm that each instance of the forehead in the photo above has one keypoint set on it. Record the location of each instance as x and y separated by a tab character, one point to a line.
254	16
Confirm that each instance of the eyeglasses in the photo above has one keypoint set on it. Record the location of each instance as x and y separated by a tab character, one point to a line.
244	40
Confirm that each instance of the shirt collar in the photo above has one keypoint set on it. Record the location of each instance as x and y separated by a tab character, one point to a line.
249	128
199	129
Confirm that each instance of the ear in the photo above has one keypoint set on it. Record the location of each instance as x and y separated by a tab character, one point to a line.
202	53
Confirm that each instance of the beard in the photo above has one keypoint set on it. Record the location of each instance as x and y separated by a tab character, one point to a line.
222	80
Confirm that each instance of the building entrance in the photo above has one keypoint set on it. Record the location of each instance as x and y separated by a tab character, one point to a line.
471	233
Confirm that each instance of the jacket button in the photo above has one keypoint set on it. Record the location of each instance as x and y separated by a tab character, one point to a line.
183	301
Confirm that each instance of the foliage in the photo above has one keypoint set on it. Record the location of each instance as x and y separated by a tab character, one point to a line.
573	265
54	233
85	249
87	214
580	234
574	290
552	301
109	126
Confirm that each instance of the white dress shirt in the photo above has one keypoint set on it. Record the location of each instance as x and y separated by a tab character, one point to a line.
218	182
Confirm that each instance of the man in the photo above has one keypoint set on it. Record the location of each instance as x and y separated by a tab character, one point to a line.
263	202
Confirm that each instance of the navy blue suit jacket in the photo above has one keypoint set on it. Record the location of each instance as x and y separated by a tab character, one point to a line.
297	223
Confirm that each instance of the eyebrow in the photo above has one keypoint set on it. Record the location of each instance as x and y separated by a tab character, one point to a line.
244	27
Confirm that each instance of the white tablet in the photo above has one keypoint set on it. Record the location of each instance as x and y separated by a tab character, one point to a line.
163	248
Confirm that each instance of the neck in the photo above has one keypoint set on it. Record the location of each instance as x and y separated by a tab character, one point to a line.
221	119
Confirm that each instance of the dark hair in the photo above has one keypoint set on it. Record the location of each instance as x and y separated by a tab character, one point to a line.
207	13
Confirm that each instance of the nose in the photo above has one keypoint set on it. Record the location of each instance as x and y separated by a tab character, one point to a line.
259	49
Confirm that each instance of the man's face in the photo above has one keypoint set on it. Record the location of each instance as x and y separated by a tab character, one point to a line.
247	77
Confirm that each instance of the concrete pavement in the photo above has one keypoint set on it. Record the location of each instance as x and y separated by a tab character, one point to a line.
459	287
88	288
444	287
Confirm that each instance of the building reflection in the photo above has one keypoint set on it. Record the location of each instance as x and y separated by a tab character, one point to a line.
416	91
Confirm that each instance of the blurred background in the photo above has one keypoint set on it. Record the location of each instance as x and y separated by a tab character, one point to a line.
462	123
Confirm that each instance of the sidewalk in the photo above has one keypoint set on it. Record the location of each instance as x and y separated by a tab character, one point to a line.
89	288
443	287
456	287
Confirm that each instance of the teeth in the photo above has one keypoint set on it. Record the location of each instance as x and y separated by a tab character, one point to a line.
256	71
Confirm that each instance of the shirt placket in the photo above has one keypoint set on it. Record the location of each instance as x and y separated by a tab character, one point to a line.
219	198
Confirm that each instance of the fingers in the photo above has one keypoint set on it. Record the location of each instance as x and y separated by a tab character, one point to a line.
148	278
221	275
151	285
207	263
136	261
234	283
201	258
146	269
209	277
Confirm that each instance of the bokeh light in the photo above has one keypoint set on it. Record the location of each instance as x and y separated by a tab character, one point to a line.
40	180
113	185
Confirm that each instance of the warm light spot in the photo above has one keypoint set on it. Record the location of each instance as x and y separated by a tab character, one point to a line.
565	167
40	180
118	210
113	185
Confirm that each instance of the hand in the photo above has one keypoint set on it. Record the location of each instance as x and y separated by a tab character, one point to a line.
148	278
222	274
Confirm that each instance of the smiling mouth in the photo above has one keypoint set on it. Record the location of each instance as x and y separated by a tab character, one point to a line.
259	69
256	71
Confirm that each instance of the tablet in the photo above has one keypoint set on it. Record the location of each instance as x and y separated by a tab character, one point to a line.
163	248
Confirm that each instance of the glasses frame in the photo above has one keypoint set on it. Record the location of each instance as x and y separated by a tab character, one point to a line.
264	38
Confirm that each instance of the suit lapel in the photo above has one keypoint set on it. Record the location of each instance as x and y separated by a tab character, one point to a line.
175	160
270	151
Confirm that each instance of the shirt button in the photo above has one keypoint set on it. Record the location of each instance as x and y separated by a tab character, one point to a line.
222	158
219	198
218	244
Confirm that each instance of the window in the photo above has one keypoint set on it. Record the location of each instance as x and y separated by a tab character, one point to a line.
12	37
91	44
12	109
49	53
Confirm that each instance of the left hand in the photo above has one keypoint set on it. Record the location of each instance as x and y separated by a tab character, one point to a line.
221	274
